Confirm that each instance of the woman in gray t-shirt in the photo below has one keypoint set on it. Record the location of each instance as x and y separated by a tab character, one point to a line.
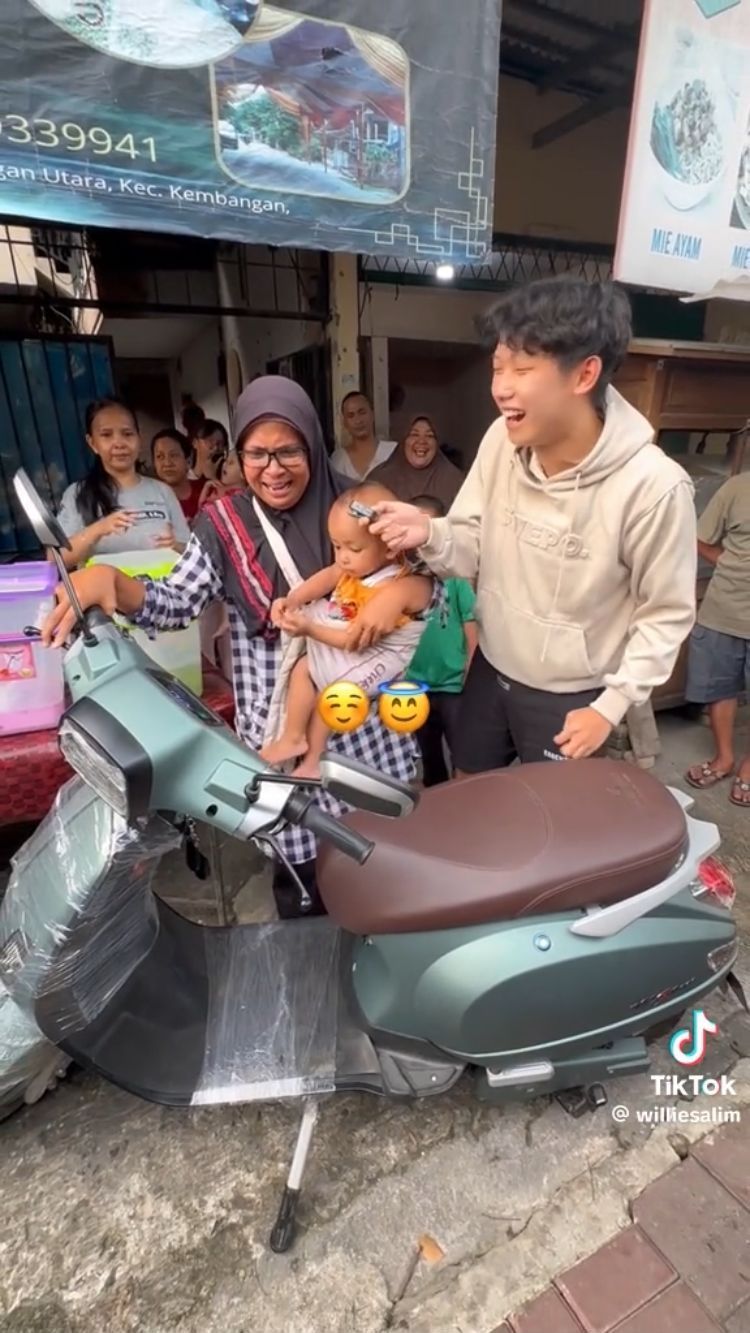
114	508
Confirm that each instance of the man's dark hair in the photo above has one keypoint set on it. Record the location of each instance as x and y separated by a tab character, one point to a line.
568	319
192	416
431	504
355	393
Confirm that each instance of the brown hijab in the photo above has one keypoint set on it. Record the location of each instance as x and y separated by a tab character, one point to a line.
441	479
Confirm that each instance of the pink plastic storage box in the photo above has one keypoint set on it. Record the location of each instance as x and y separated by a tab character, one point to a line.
32	693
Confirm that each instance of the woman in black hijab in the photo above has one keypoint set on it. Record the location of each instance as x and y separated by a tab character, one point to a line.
233	555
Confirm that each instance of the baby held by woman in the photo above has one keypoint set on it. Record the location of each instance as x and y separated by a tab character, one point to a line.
321	610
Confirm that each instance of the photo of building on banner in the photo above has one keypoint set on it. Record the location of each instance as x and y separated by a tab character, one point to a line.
316	107
331	123
685	216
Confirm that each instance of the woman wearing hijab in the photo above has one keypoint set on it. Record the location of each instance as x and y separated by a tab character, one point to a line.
235	554
418	467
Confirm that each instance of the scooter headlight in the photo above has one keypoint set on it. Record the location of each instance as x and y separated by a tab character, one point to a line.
95	767
108	757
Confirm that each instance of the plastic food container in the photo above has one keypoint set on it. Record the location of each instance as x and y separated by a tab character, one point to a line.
32	691
177	651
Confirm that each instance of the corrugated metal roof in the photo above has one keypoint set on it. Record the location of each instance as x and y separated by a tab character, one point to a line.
603	13
592	46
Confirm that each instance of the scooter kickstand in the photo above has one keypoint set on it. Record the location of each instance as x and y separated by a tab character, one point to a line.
284	1230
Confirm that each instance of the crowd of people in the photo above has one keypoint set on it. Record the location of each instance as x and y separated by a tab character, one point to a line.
539	598
128	502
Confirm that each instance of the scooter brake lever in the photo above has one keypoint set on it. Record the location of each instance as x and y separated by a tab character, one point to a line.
268	840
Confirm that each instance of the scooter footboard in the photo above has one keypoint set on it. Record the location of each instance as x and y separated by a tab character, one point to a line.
272	1021
79	916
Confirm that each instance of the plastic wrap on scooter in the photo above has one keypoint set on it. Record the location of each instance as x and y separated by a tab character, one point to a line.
26	1057
78	916
273	1012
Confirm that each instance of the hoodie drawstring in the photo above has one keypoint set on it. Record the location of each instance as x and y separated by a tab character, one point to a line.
561	567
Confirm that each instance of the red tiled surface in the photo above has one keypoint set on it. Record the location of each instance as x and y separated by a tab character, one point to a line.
684	1267
32	769
547	1314
677	1310
727	1156
704	1233
614	1282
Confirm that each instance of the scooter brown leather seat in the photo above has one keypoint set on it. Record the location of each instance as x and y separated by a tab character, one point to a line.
537	838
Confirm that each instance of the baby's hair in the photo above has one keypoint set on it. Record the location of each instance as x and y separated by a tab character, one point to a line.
369	493
431	505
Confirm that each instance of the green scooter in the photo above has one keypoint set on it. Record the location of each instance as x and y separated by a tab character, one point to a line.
531	929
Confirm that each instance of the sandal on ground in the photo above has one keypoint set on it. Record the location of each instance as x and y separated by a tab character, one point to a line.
704	776
740	794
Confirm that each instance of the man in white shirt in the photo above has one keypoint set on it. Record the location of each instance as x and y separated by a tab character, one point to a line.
363	451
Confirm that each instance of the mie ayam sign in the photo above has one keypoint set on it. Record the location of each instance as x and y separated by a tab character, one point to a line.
685	218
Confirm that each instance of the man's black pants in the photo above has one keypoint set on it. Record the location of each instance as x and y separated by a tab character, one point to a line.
501	720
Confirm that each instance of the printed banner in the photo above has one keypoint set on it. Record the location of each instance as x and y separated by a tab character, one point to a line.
326	124
685	219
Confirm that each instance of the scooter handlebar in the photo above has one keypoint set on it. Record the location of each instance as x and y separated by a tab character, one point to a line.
301	809
96	618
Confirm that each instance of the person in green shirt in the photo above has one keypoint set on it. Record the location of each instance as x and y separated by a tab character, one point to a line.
441	663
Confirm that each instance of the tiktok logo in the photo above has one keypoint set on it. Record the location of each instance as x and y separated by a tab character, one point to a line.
688	1045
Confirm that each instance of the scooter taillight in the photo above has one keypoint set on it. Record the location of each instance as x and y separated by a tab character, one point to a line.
716	883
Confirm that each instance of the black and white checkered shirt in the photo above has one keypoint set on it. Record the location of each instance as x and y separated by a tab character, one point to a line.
174	602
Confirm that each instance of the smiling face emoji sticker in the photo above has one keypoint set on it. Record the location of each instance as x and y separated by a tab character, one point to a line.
343	706
403	706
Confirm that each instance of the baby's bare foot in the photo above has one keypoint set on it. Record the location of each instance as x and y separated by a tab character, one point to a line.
285	748
309	768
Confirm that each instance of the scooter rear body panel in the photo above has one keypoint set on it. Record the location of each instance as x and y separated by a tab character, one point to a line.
495	995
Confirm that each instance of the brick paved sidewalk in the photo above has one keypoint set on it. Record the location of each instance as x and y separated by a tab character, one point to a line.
683	1267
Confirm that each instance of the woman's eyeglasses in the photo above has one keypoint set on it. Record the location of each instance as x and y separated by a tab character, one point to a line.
287	456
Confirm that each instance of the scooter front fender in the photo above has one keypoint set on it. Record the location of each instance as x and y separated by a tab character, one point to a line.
77	918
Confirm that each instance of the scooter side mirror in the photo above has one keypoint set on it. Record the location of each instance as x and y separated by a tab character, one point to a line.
52	537
45	525
365	788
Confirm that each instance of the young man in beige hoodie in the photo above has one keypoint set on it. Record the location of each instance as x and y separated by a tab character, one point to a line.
579	531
